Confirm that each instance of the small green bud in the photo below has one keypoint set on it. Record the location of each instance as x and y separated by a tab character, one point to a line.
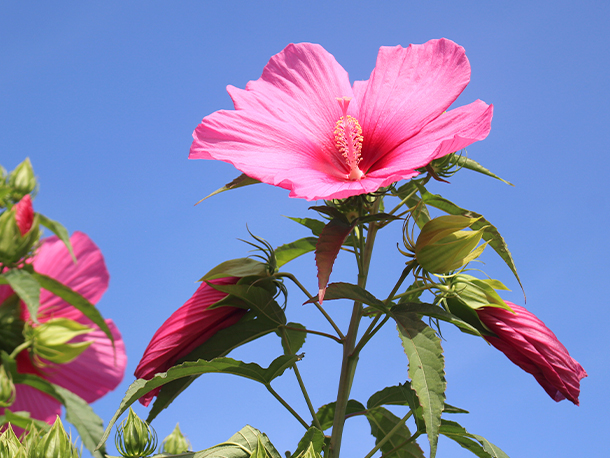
175	443
135	438
55	444
442	245
22	179
7	389
50	340
9	443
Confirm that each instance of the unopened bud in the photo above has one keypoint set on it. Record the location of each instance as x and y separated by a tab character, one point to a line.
7	388
442	245
50	340
22	179
19	232
24	214
175	443
135	438
9	443
55	444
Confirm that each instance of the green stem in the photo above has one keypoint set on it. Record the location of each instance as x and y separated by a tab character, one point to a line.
389	435
402	444
319	333
350	358
316	422
20	348
316	303
285	404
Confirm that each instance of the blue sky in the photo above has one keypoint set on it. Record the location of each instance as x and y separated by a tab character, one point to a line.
103	97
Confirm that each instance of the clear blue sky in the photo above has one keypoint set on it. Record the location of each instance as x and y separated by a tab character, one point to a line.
103	97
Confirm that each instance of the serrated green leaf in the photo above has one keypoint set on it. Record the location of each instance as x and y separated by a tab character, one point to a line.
258	298
382	422
314	225
314	438
75	300
326	413
399	395
292	340
241	267
437	312
239	182
26	287
490	234
241	445
426	370
219	365
220	344
458	433
468	163
340	290
59	230
293	250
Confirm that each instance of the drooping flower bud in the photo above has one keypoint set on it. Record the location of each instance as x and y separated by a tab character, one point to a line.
50	340
442	245
22	179
24	214
55	444
135	438
10	446
7	388
175	443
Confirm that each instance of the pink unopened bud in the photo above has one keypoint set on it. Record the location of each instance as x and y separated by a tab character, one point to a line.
24	214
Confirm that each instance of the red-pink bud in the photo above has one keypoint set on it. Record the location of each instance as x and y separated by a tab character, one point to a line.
24	214
528	343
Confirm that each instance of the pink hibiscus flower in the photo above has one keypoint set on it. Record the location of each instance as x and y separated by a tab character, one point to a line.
99	369
302	126
528	343
187	328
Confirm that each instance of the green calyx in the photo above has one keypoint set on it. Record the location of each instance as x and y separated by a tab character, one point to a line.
15	247
175	443
54	444
134	437
50	340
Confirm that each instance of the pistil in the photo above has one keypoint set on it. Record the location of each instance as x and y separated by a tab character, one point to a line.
348	139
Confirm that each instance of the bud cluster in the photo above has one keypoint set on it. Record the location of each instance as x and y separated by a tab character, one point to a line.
55	443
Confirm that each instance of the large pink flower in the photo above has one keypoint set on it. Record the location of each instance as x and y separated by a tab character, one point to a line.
528	343
302	125
187	328
99	369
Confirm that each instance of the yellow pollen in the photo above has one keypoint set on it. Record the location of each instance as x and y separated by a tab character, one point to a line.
348	139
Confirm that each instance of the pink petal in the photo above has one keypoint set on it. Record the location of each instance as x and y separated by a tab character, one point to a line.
89	276
186	329
41	406
96	371
408	88
24	214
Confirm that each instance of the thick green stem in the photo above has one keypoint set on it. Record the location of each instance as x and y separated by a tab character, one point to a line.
350	358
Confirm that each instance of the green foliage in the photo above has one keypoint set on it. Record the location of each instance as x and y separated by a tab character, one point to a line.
467	163
326	413
480	446
241	267
239	182
293	250
397	441
426	370
26	287
313	439
434	311
59	230
292	340
340	290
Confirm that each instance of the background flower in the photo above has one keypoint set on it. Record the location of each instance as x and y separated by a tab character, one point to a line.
187	328
302	126
528	343
99	369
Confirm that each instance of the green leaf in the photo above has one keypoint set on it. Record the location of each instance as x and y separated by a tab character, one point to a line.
292	340
327	249
258	298
290	251
314	438
26	287
467	163
426	370
326	413
374	218
220	344
241	267
382	422
340	290
490	234
332	212
22	420
75	299
434	311
419	212
314	225
219	365
399	395
59	230
483	448
239	182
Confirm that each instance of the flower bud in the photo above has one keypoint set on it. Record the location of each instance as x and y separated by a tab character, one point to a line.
9	443
24	214
22	179
7	389
19	232
443	247
50	340
175	443
55	444
135	438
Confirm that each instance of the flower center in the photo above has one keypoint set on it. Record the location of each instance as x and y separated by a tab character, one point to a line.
348	139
